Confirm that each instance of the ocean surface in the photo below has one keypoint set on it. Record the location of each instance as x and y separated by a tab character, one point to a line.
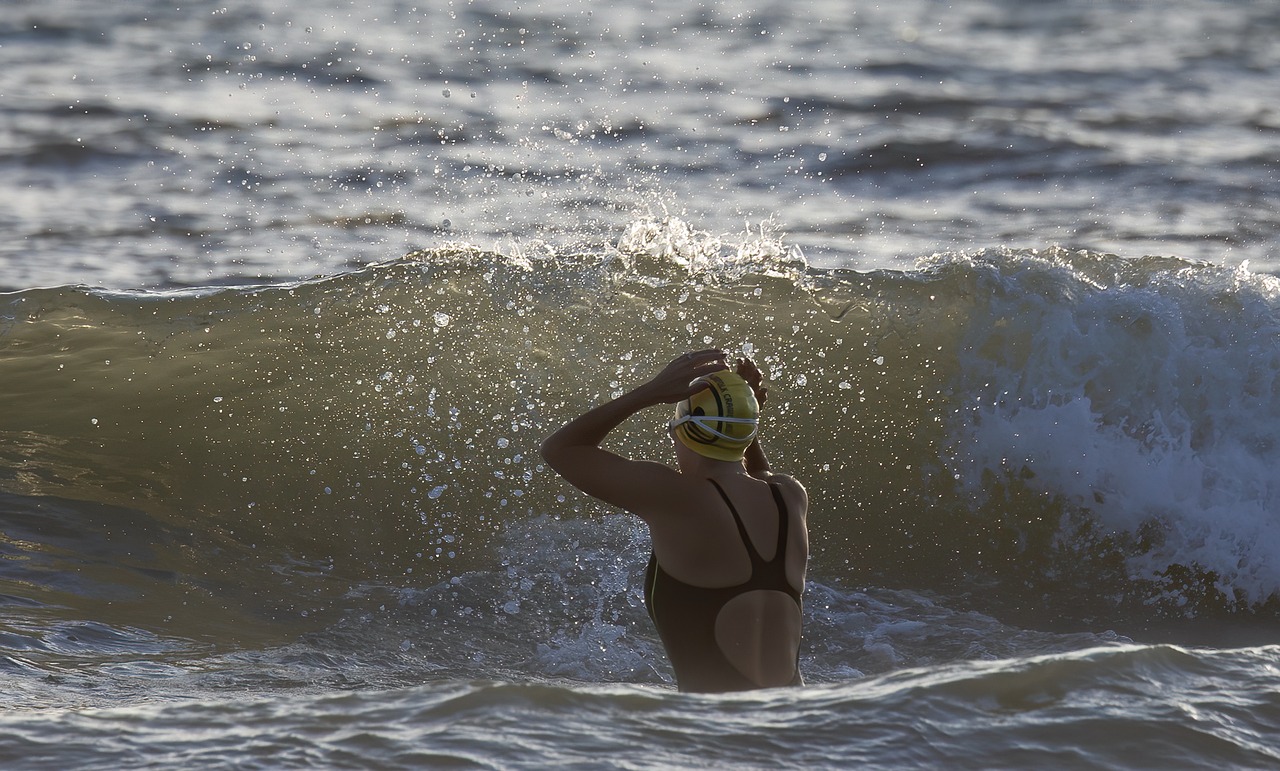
290	293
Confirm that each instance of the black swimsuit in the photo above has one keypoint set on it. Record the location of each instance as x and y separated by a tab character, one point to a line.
686	615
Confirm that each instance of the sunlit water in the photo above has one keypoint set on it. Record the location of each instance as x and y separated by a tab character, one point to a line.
269	492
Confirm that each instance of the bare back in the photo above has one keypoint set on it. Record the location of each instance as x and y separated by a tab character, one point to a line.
718	582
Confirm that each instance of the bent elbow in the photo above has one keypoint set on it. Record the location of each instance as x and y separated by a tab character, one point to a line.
550	451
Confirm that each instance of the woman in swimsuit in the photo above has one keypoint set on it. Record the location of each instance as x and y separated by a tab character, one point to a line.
730	543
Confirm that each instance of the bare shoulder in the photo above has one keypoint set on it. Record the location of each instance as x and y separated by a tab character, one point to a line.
792	492
660	492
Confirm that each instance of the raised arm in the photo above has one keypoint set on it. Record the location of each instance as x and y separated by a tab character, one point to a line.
574	450
757	463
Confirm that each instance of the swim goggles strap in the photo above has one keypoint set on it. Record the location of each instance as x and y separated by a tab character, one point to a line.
703	420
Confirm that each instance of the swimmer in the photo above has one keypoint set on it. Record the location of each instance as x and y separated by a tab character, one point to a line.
730	543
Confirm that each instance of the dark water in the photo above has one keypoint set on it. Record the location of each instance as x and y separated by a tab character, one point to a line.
269	494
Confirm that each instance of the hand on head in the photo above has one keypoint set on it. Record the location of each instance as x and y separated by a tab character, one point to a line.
674	382
749	372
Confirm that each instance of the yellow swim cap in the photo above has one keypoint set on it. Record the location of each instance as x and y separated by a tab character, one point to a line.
720	420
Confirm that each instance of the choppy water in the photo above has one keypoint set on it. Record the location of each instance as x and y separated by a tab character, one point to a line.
148	144
269	494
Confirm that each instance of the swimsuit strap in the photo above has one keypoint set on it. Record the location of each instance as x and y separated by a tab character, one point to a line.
781	553
758	561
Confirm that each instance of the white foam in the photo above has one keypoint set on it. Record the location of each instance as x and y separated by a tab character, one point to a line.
1151	402
671	239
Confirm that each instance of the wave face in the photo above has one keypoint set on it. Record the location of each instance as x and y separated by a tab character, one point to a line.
1056	434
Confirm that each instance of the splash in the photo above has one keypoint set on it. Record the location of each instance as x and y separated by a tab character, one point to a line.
1064	424
1141	395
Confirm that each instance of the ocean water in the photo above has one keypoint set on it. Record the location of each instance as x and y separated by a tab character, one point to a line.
290	293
